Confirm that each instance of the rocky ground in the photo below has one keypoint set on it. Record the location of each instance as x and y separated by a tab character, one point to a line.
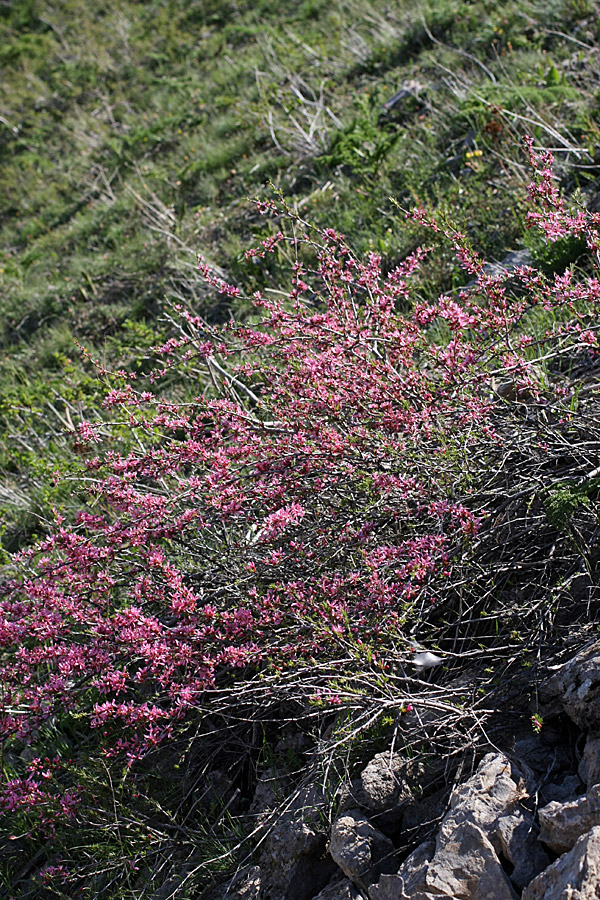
525	823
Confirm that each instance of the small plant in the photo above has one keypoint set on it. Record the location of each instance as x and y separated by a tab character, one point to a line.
362	145
537	722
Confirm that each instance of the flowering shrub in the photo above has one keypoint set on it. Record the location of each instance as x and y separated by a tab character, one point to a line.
310	503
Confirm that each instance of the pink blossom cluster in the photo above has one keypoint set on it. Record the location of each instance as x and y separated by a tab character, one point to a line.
309	498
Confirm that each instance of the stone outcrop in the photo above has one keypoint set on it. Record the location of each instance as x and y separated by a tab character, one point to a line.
294	864
517	834
466	867
485	824
383	784
589	766
493	840
360	850
493	792
575	689
562	824
576	875
410	878
245	885
339	889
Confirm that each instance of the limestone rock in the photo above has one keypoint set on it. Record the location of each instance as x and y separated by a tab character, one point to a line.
382	782
575	875
518	837
568	789
272	786
492	793
352	796
477	827
589	767
575	689
361	851
484	821
562	824
245	885
466	867
409	879
248	887
338	889
294	862
388	788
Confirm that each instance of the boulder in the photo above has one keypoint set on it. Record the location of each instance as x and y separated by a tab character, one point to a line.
562	824
361	851
575	689
518	838
352	796
568	789
483	821
382	782
294	862
387	790
245	885
338	889
466	867
272	786
589	766
575	875
492	793
409	880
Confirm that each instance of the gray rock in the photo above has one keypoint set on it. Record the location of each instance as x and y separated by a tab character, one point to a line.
421	817
387	788
382	782
466	864
568	789
294	862
361	851
513	260
466	867
562	824
575	689
338	889
542	758
409	879
485	798
272	787
575	875
484	821
518	837
245	885
589	766
352	796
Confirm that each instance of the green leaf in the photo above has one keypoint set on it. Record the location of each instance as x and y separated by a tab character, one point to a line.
553	76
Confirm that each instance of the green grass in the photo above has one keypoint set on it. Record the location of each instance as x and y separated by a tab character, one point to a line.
131	139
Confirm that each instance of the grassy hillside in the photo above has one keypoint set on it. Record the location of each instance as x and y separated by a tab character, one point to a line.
132	137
